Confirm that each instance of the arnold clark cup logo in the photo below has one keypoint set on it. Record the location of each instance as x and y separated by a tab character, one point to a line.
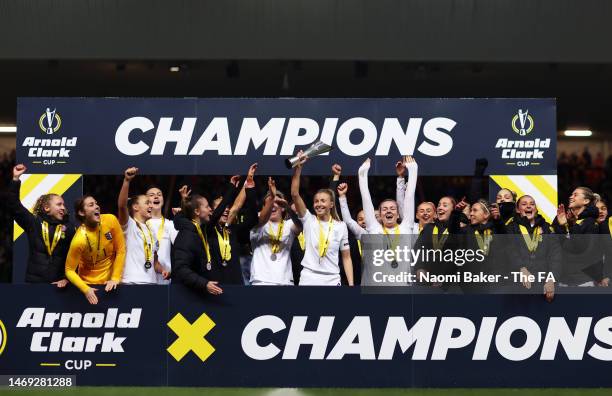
50	122
2	337
522	152
49	151
522	122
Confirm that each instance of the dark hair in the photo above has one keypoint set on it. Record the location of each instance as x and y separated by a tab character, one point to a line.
514	195
41	202
150	186
588	194
189	206
453	200
80	205
386	200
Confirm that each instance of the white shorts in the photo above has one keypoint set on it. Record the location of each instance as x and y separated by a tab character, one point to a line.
311	278
586	284
263	283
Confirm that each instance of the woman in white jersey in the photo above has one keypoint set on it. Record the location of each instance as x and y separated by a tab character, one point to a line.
163	230
271	242
324	237
389	212
141	263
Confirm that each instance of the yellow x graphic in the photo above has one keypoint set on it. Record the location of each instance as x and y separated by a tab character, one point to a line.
191	337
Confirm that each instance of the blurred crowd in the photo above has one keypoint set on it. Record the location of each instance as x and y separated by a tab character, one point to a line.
584	169
6	222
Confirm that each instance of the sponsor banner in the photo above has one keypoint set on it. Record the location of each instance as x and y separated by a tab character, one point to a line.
223	136
306	337
543	189
56	332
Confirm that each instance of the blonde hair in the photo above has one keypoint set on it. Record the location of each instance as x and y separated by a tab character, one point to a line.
485	206
41	202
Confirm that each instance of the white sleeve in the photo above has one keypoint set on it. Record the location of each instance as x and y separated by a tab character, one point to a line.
408	220
155	241
400	191
131	223
344	243
256	233
366	200
172	232
307	217
352	225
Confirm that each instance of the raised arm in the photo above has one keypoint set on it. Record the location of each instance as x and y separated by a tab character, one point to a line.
300	206
230	196
366	199
122	201
20	213
408	202
266	211
400	187
352	225
242	195
335	180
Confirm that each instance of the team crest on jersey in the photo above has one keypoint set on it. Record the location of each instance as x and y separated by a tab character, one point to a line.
109	236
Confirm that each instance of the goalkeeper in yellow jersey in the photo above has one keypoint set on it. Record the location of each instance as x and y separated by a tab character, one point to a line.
97	251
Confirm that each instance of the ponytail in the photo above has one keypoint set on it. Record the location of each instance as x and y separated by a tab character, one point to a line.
189	206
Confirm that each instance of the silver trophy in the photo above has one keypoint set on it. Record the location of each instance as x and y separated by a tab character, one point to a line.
317	148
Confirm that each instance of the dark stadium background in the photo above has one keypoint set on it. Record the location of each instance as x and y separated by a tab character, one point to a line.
390	48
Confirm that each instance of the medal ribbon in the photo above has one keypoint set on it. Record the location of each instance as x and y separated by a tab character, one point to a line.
51	245
391	244
324	244
203	238
160	232
301	240
532	241
224	244
275	240
359	247
484	241
147	244
438	243
94	256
